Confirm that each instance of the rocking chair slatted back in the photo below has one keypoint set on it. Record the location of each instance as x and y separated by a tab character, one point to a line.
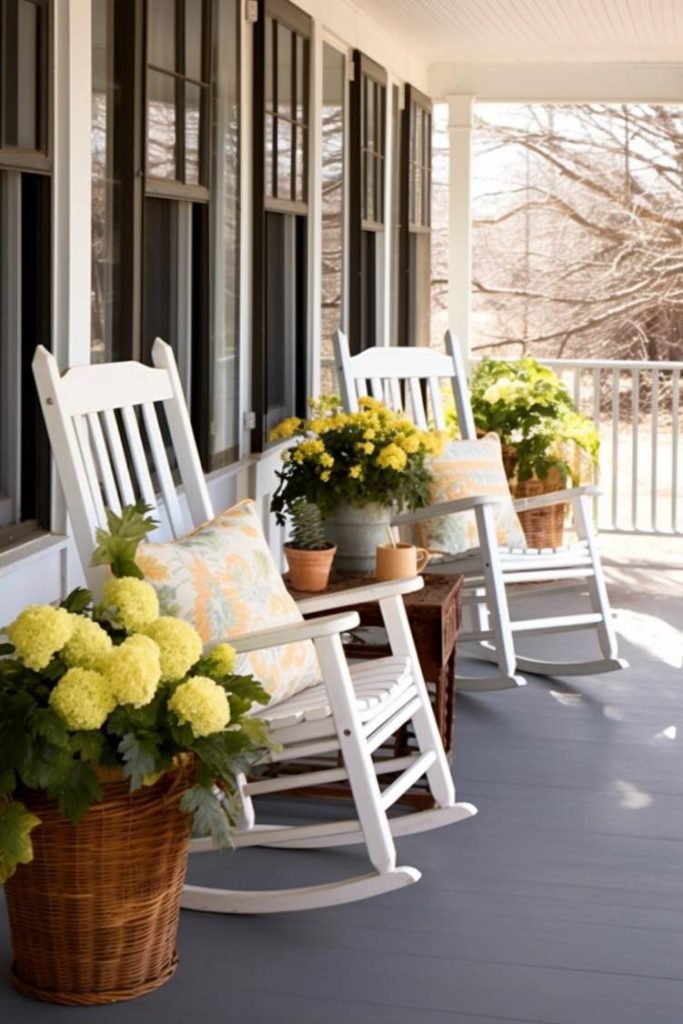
104	422
420	372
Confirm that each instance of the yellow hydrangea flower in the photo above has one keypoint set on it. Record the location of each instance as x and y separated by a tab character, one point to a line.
392	457
83	698
39	632
135	602
179	643
133	670
202	704
89	643
223	659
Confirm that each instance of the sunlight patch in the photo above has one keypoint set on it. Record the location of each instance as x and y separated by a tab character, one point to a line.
630	797
670	733
661	640
567	700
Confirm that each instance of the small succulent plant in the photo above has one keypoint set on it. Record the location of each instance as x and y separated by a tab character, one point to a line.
308	528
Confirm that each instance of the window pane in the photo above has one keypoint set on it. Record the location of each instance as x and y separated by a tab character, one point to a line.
300	78
396	123
369	113
369	186
193	39
10	278
192	125
332	256
282	315
284	159
269	66
161	34
19	74
28	50
161	125
105	251
270	155
225	238
299	165
284	70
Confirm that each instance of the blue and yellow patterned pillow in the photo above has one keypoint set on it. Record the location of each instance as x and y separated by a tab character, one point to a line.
465	469
222	579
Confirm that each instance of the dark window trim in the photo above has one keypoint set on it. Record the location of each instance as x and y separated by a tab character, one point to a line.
285	13
406	286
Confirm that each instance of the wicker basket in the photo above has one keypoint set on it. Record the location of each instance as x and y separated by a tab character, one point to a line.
94	916
543	527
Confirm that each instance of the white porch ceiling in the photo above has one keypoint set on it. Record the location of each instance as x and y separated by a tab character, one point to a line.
535	31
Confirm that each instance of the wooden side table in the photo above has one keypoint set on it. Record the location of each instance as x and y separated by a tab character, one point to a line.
434	616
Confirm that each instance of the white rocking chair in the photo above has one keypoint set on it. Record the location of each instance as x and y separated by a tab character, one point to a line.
353	710
492	576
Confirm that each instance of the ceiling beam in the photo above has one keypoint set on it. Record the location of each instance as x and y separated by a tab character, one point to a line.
559	83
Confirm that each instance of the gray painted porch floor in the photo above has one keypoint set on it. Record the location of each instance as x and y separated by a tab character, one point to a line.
562	901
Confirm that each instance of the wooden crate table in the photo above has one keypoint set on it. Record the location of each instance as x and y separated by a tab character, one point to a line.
434	616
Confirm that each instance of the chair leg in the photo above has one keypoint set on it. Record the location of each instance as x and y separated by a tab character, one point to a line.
597	588
357	759
426	732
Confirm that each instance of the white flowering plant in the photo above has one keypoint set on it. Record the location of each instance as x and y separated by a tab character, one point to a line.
118	684
529	407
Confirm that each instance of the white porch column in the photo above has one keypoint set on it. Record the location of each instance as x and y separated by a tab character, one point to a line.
460	111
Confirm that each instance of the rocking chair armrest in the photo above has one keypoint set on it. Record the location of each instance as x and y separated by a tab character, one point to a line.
360	595
556	497
444	508
293	632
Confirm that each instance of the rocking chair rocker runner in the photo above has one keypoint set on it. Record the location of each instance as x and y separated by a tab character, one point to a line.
492	576
353	710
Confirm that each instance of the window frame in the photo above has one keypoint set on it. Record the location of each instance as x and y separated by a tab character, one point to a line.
406	298
39	160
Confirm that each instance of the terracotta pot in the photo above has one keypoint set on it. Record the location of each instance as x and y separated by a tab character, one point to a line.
309	570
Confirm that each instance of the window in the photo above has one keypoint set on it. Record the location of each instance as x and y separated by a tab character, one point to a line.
280	259
166	239
415	219
25	279
366	202
333	240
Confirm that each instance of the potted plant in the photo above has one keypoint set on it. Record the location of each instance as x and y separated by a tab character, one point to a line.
117	733
546	441
309	555
358	468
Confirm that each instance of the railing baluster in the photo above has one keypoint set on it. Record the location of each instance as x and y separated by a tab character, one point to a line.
615	446
653	439
635	410
596	420
675	426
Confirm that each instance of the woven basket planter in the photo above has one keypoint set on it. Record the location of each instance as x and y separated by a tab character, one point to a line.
543	527
94	916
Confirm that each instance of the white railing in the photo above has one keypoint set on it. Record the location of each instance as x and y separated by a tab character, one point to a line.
637	407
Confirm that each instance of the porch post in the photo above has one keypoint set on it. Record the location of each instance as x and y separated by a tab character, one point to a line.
460	110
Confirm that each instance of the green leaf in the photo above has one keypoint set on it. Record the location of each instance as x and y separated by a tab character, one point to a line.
209	815
6	649
7	781
117	546
88	743
140	755
45	723
243	691
81	789
77	601
16	825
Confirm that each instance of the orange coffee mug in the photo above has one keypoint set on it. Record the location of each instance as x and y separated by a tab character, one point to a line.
400	562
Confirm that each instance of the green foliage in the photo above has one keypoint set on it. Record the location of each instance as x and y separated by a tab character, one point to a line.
118	545
209	815
531	410
16	825
41	750
308	527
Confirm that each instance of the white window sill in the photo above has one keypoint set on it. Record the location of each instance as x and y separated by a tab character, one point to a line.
41	544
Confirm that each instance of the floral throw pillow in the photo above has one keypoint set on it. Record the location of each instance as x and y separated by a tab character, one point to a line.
465	469
222	579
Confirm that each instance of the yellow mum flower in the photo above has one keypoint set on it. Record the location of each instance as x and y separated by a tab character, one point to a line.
309	450
83	698
326	460
223	659
179	643
370	403
366	447
325	475
135	603
202	704
283	431
356	472
392	457
409	442
39	632
369	434
89	643
133	670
